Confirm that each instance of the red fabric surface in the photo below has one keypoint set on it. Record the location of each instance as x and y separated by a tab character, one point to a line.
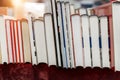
18	72
27	71
41	71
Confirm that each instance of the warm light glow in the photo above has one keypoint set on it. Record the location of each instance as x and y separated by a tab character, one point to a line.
17	2
18	6
37	9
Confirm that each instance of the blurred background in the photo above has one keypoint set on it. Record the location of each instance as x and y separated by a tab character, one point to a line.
20	8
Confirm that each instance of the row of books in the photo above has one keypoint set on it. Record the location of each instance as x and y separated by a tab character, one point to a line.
81	36
66	37
112	11
104	48
17	42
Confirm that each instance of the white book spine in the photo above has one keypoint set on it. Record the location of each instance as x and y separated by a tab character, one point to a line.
66	34
40	41
86	41
3	40
72	62
61	26
77	39
34	57
116	34
26	40
94	31
21	52
104	40
53	6
50	39
9	41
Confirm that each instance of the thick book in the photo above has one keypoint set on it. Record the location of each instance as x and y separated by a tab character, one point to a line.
77	40
116	33
50	41
56	31
63	36
86	40
32	41
26	40
109	9
39	31
104	41
3	41
68	22
94	34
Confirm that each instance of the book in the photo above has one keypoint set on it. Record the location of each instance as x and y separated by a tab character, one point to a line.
65	34
40	41
70	42
77	40
56	31
86	40
116	32
26	40
62	33
3	42
104	41
20	44
12	33
50	41
4	56
9	41
107	10
32	41
94	34
16	40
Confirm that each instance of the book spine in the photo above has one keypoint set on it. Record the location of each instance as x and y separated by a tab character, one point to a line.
56	32
66	34
16	41
94	29
116	32
26	40
70	39
104	41
8	38
34	56
50	39
77	39
21	52
86	42
13	40
62	34
3	41
40	41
